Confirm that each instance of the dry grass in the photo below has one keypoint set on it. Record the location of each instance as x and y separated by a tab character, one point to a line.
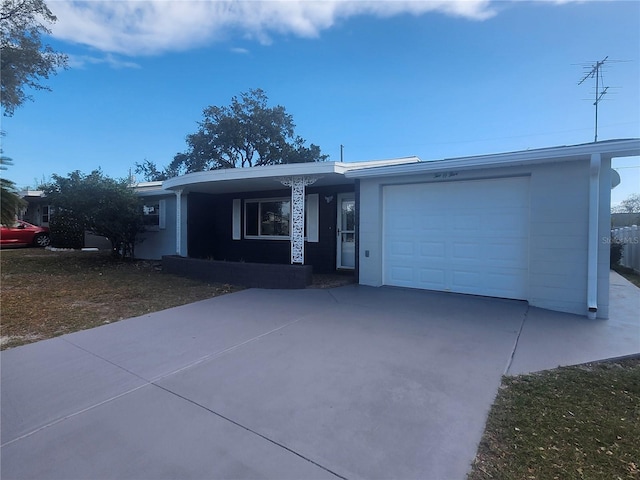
46	294
570	423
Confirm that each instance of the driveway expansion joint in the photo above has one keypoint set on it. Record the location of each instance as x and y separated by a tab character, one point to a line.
74	414
214	355
515	345
244	427
146	381
100	357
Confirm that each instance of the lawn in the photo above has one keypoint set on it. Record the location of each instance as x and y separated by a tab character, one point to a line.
46	294
569	423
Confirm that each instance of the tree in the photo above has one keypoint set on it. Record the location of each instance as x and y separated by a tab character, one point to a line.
150	172
244	134
10	202
631	204
100	204
24	60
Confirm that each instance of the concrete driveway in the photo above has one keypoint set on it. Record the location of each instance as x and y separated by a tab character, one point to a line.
352	382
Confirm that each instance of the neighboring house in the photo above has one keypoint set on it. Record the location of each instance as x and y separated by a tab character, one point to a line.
532	225
38	210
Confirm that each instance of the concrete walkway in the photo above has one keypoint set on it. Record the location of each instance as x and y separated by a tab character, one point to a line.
351	382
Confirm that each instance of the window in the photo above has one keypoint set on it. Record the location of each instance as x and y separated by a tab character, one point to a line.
271	218
153	215
267	218
45	215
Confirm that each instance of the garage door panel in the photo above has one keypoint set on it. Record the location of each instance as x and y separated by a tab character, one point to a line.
431	277
505	254
466	223
401	222
502	223
401	248
467	237
465	251
465	279
432	250
401	276
425	221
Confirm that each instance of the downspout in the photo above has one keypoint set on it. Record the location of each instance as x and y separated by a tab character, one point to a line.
592	265
178	221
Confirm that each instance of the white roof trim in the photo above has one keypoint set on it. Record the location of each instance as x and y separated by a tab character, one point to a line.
147	184
275	171
608	149
144	189
31	193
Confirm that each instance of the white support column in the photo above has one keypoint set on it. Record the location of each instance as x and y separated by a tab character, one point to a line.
297	184
593	240
178	221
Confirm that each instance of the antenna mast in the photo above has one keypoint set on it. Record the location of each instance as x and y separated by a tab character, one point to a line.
596	71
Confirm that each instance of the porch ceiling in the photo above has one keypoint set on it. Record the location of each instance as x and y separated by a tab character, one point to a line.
253	184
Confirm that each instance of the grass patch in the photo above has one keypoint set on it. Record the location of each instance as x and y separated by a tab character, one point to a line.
579	422
628	273
46	294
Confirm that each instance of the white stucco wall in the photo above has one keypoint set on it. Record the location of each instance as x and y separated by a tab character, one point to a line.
558	243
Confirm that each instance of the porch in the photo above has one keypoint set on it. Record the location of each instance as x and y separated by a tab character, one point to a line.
255	275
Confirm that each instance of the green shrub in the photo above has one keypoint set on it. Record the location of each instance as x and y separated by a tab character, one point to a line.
615	251
66	231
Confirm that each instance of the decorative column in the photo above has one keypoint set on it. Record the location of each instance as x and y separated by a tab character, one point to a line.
297	184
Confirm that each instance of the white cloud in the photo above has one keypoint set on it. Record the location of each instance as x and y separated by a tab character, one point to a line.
242	51
146	27
80	61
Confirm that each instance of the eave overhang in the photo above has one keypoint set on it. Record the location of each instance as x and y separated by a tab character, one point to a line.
607	149
268	177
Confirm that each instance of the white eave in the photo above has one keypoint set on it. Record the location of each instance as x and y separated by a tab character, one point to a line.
267	177
607	149
144	189
31	193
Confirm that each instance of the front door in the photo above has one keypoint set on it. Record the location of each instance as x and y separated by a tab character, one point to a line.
346	230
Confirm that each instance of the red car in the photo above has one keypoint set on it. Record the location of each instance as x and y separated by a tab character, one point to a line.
23	233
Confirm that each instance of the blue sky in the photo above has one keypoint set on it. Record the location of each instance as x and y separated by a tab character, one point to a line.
384	79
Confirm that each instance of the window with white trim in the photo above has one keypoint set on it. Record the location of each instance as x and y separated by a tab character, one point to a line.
153	215
269	218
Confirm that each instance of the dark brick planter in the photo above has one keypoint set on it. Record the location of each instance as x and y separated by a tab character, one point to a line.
254	275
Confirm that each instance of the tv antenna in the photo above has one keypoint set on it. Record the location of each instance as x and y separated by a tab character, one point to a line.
596	72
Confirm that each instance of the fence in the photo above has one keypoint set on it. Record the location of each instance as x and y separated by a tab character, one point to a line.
629	237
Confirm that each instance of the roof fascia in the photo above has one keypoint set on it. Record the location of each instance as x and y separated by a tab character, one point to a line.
608	149
269	171
147	189
275	171
31	193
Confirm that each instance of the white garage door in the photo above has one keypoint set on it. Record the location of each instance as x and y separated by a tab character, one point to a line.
466	237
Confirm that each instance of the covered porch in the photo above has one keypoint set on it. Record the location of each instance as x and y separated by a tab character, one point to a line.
294	214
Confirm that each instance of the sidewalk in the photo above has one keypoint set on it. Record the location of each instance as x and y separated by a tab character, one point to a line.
551	339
